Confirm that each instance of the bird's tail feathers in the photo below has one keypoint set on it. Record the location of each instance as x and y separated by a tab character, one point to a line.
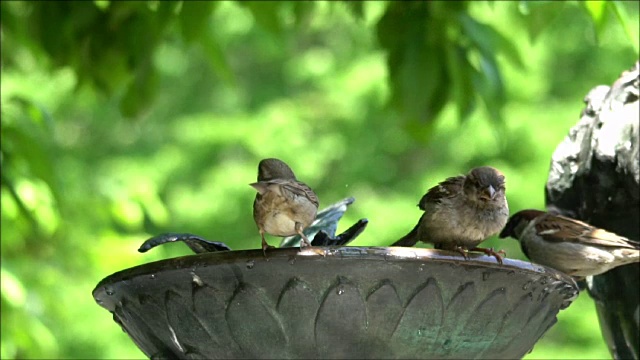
410	239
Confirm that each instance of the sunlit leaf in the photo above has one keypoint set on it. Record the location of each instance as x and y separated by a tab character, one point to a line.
29	140
630	30
102	4
28	215
597	10
539	15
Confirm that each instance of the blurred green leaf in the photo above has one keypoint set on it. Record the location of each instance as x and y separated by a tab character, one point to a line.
28	139
488	84
356	7
196	26
320	100
539	15
217	58
489	41
266	14
631	30
597	11
194	18
460	71
417	73
303	10
13	291
140	92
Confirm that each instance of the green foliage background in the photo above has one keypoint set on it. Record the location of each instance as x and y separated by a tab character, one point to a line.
123	120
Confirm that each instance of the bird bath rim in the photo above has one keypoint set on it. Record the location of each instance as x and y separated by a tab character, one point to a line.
336	302
391	253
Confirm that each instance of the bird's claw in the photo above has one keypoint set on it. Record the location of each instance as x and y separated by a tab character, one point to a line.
315	250
304	243
490	251
463	251
265	247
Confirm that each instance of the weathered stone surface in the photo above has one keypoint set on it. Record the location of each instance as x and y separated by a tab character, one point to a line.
595	177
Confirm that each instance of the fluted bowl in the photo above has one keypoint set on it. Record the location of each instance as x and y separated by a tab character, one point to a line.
351	302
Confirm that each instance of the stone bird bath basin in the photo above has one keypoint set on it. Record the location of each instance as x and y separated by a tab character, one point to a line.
354	302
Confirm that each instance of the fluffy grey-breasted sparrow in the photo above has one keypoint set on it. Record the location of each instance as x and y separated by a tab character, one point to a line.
283	206
571	246
461	212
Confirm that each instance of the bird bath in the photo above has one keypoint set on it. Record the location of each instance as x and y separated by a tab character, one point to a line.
354	302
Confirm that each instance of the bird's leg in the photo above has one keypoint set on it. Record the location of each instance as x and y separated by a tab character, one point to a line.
491	252
265	246
306	242
462	251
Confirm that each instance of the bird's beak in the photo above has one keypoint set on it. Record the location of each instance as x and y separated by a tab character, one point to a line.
259	186
488	193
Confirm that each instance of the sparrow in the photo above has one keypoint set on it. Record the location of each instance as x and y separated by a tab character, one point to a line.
462	211
571	246
283	206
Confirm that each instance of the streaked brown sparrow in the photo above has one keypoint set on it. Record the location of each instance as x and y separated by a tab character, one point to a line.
461	212
571	246
283	206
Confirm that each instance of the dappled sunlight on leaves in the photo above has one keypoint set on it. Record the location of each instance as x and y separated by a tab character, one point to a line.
136	119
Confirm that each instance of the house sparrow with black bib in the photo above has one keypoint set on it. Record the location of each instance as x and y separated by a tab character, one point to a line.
461	212
283	206
571	246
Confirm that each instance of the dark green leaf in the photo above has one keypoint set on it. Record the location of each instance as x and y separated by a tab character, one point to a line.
302	11
390	29
194	18
217	58
266	14
460	72
489	41
140	92
440	97
356	7
417	75
488	84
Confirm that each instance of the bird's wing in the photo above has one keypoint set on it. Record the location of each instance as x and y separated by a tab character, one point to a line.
556	228
293	188
446	189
